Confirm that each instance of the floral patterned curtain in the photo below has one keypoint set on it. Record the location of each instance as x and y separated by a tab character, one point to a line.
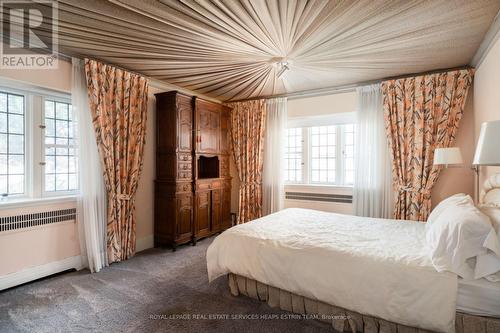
247	134
421	114
118	103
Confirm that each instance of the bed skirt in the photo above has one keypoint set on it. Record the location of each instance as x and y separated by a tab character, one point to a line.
343	320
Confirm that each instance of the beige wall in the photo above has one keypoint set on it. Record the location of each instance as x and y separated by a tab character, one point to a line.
487	97
322	105
145	191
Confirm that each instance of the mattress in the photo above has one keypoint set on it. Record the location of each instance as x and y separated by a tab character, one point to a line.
356	263
479	297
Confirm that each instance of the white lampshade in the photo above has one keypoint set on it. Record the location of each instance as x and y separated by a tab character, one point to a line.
488	145
447	156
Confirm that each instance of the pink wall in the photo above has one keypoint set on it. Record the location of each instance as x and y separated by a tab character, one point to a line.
487	97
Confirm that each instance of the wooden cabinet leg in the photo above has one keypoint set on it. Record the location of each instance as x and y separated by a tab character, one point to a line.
174	247
193	242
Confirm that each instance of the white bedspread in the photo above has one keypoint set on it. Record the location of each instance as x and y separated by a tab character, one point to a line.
372	266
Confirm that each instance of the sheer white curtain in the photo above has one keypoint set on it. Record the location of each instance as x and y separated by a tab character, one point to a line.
91	206
274	155
372	192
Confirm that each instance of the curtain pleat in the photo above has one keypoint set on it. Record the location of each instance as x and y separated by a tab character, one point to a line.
421	114
118	102
247	139
91	206
274	155
372	190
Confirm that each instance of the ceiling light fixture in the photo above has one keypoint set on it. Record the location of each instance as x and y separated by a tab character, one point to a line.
282	68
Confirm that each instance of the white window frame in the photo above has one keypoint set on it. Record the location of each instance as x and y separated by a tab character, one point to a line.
34	139
43	147
306	123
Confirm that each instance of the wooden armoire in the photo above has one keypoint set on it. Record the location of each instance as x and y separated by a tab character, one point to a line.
193	185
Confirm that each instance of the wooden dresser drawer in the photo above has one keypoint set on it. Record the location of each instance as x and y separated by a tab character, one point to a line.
183	187
184	166
208	185
184	157
184	175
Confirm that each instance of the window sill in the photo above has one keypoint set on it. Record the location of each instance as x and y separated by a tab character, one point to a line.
29	202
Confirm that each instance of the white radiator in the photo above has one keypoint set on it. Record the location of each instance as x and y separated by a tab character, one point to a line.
22	221
325	198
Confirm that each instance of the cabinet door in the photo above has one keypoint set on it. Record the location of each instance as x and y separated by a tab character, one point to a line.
226	206
207	119
216	210
185	124
184	214
202	213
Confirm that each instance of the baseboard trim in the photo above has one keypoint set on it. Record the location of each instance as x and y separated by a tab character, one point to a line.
37	272
144	243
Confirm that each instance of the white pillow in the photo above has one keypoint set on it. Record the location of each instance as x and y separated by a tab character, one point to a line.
488	264
456	237
457	199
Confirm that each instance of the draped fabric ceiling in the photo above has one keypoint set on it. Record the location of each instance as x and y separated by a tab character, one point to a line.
228	49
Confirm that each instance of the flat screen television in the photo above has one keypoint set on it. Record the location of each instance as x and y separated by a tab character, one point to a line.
208	167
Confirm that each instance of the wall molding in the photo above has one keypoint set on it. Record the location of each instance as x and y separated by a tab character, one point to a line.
144	243
37	272
492	35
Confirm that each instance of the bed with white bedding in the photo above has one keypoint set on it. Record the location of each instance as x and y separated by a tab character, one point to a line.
382	273
348	261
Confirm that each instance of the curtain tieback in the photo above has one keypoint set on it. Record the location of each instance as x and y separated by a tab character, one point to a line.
407	188
122	197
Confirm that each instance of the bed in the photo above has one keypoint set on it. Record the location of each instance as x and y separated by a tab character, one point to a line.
313	262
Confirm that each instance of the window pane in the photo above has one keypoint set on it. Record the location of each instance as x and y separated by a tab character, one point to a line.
11	143
293	155
3	164
3	122
3	102
50	182
16	144
16	104
323	153
16	164
16	124
50	127
3	143
3	184
49	109
348	153
62	111
16	184
62	182
60	162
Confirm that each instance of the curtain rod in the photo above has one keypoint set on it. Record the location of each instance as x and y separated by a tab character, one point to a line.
345	88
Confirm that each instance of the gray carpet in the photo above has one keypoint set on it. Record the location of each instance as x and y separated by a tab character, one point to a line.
140	295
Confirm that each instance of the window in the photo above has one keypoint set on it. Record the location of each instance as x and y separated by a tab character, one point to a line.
37	144
60	160
320	155
293	155
12	162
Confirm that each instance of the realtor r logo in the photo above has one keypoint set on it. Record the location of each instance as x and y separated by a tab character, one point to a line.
29	34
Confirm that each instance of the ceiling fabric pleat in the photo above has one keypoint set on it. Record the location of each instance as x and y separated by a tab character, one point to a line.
232	50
